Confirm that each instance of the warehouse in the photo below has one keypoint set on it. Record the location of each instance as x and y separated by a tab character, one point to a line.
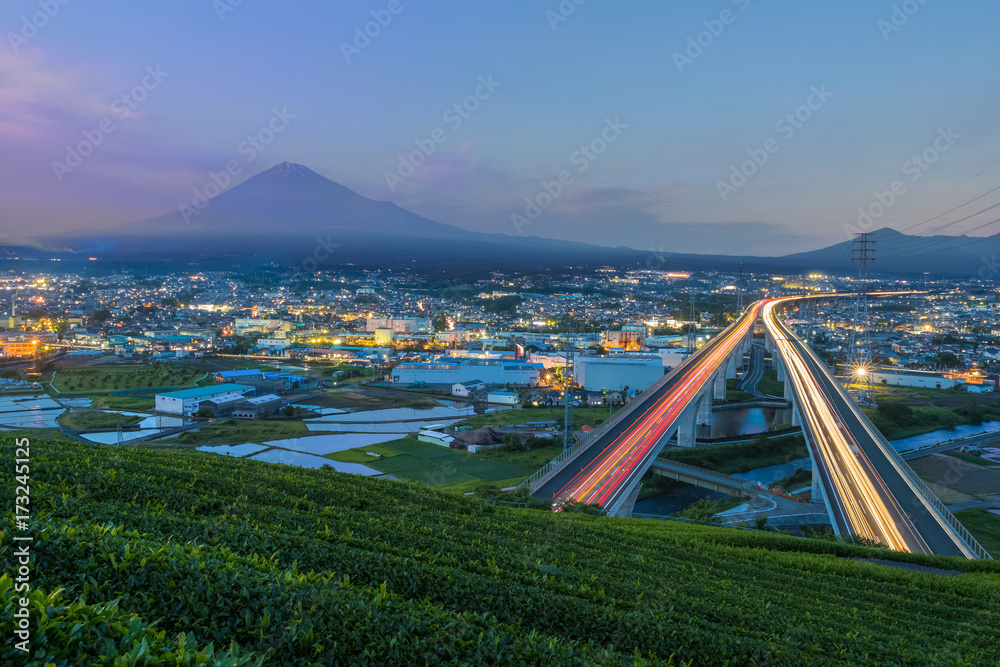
452	371
186	401
597	373
907	378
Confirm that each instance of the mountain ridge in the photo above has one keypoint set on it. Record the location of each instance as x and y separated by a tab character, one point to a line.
285	211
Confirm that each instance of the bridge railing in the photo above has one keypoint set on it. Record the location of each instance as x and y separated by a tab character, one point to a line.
904	468
930	497
574	451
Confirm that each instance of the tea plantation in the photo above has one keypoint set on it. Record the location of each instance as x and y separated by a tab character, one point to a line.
179	558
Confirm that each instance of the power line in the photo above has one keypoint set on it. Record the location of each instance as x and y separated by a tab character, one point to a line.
859	364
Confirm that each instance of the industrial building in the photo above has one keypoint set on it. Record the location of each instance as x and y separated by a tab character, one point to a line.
187	401
503	398
241	327
599	373
400	325
906	378
452	371
261	406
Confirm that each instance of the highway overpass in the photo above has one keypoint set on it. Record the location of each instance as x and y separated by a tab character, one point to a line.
607	467
868	489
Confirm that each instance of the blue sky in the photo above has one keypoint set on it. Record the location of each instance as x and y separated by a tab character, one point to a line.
224	68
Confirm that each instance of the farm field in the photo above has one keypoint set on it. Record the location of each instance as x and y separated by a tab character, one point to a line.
235	432
314	567
82	420
433	465
581	417
106	379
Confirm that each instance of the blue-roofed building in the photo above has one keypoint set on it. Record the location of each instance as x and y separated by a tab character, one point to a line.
235	376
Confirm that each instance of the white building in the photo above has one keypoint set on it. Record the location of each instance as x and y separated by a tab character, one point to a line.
400	325
503	398
453	337
186	401
242	327
599	373
904	378
274	343
467	388
452	371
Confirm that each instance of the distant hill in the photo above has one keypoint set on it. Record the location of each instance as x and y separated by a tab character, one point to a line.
294	566
898	253
291	214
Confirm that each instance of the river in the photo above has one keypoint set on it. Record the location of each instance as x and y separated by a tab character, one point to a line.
944	435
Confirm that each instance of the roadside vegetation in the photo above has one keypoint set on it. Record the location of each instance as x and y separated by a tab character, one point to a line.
768	385
984	526
743	456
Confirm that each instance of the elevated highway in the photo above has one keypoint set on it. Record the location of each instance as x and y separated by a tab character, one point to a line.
868	489
606	468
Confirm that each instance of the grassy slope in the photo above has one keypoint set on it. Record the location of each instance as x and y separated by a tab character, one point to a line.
984	526
308	565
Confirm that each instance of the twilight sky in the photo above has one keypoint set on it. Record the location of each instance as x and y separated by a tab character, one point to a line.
666	125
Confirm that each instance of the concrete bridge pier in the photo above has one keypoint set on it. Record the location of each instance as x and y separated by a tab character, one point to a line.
731	365
626	507
779	365
687	426
720	385
705	414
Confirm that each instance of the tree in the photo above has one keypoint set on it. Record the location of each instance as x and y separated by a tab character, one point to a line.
61	327
441	321
511	442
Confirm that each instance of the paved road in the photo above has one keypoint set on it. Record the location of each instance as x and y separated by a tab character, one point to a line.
868	493
609	469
